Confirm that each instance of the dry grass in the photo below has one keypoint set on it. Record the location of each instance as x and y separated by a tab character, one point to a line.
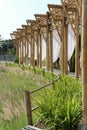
13	82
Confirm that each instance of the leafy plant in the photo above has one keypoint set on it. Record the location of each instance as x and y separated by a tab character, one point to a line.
60	108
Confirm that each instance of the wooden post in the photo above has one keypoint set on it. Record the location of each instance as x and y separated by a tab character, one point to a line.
24	51
27	51
77	46
65	46
62	48
38	47
62	54
29	45
47	43
43	72
19	47
84	63
21	51
31	52
28	48
28	108
40	51
51	50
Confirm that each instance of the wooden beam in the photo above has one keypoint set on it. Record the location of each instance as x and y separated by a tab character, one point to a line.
40	15
51	6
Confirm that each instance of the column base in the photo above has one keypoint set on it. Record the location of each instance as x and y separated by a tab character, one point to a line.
82	127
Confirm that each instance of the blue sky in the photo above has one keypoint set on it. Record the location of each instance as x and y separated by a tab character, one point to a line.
14	13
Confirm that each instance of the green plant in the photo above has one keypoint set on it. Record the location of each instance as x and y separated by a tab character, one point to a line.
60	108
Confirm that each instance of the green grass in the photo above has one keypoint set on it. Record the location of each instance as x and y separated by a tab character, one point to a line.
13	83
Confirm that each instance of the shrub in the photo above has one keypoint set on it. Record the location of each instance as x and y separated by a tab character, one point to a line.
60	108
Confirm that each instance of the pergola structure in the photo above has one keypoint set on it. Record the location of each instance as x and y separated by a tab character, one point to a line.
43	26
28	40
72	10
30	36
56	16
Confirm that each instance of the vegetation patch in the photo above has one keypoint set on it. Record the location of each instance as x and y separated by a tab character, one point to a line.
13	83
60	108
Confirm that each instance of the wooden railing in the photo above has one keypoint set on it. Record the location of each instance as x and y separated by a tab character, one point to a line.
29	109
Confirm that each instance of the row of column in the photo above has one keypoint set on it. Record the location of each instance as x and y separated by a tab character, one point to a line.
29	35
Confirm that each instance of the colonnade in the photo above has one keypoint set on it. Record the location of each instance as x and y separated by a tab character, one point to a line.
28	39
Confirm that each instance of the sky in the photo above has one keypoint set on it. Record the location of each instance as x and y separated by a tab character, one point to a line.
14	13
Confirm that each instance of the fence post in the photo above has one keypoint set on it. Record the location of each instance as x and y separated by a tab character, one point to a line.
34	70
43	70
53	84
28	107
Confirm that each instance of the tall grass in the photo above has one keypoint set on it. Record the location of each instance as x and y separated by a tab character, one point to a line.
13	83
60	108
